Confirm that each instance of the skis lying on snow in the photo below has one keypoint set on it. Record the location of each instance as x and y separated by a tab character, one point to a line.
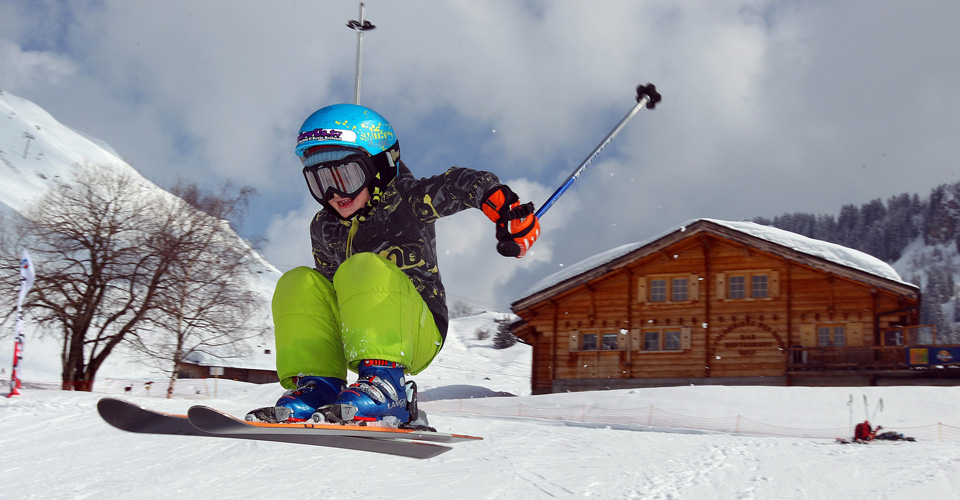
204	421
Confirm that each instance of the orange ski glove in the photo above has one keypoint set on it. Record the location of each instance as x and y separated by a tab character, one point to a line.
517	226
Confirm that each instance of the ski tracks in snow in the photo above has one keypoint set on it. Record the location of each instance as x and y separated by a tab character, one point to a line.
57	435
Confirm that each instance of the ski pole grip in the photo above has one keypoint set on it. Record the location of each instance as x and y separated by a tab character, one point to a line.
508	248
650	92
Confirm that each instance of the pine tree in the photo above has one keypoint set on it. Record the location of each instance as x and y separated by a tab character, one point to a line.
504	338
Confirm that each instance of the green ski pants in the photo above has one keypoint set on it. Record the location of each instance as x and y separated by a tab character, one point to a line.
371	310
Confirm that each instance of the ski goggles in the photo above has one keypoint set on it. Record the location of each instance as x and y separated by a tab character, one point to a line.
345	177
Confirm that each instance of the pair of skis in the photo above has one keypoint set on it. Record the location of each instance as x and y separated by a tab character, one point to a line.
209	422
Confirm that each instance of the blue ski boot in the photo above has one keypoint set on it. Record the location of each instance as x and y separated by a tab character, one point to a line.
381	393
299	404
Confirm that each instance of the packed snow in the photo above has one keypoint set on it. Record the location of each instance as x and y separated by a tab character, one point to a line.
704	441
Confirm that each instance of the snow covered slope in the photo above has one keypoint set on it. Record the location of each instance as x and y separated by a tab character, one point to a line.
48	434
35	151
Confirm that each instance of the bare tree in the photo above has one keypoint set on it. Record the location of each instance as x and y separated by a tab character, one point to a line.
460	309
113	256
208	307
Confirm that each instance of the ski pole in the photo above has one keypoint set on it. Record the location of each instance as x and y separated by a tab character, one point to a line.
648	96
879	408
850	405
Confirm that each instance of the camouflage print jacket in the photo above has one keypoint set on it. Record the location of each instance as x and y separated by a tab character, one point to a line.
400	228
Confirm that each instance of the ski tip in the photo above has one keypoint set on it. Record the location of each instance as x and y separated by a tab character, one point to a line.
112	404
108	407
117	412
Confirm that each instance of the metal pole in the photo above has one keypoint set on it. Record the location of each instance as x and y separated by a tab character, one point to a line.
359	26
647	96
28	137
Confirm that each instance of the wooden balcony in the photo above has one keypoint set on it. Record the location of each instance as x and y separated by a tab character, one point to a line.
847	358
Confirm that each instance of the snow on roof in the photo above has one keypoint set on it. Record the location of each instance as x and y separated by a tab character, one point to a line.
832	252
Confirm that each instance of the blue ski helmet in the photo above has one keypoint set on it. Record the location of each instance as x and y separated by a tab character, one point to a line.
353	126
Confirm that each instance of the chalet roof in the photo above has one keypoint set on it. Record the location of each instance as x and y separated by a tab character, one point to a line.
257	359
855	260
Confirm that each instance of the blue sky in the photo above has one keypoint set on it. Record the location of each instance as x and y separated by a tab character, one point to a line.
768	106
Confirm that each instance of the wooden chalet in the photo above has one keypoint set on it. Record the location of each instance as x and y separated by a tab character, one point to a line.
732	303
254	375
257	367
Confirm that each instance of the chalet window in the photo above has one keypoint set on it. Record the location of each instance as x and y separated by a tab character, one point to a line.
589	342
748	285
658	290
671	340
666	339
832	336
679	290
738	287
664	289
758	286
651	340
609	341
893	337
823	339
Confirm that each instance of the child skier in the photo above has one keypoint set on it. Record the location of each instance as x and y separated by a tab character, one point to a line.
374	302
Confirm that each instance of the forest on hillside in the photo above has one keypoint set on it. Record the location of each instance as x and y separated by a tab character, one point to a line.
929	228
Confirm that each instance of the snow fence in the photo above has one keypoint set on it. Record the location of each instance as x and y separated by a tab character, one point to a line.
654	419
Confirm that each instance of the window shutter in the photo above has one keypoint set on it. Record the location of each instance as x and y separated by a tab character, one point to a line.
685	334
808	335
774	288
693	288
721	286
855	334
642	296
574	340
636	345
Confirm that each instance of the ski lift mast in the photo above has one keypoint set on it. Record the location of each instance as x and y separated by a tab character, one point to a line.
359	26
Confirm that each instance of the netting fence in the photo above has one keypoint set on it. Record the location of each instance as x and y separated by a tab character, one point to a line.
194	388
647	417
653	418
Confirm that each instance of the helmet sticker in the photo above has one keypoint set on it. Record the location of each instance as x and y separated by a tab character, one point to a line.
322	134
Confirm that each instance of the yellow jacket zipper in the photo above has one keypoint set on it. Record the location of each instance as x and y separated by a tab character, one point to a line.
354	226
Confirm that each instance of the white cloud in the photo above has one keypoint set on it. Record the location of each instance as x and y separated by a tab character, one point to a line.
289	236
769	106
24	68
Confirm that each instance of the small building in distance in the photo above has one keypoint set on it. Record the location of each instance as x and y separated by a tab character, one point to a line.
258	367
